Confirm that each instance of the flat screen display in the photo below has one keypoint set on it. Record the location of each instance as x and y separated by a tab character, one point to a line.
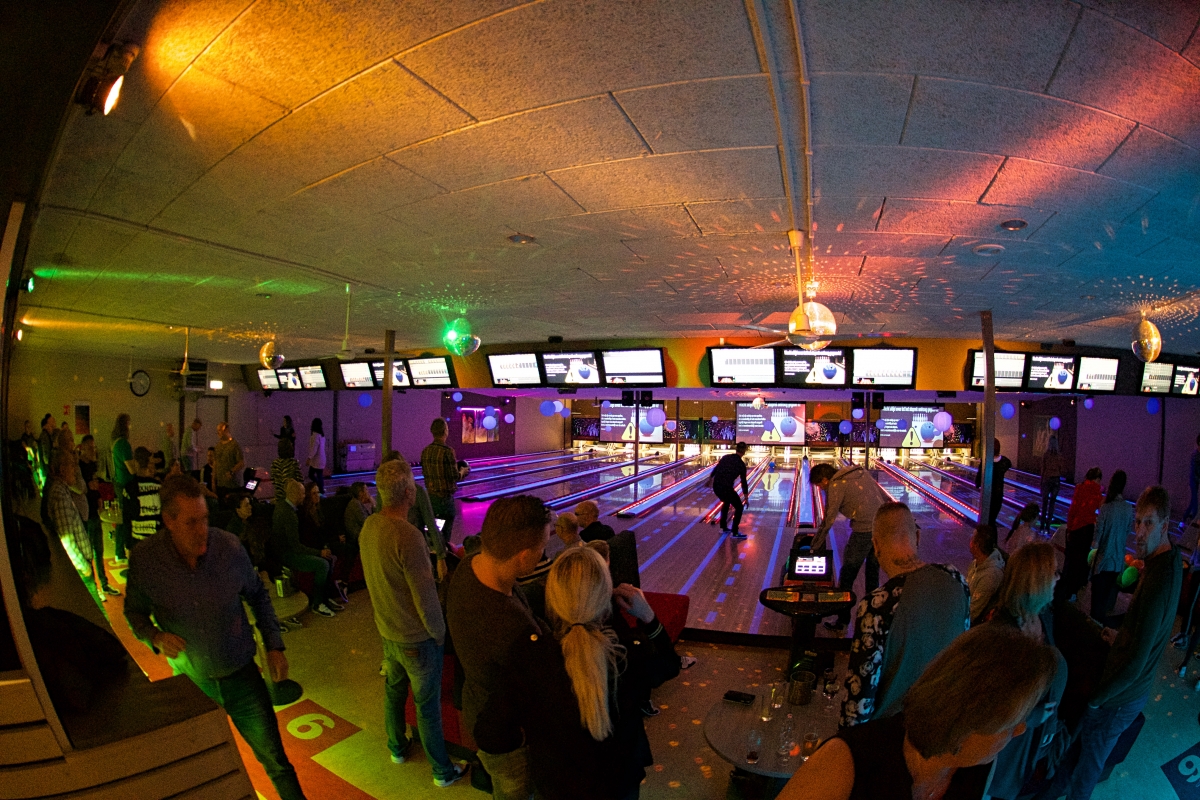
400	378
742	366
884	366
774	423
289	378
514	369
909	426
633	366
433	371
267	379
1186	380
571	369
357	375
616	425
807	368
1053	373
1156	378
1097	374
809	567
1010	370
312	377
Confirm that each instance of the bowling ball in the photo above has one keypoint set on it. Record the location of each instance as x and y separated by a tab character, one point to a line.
928	431
585	372
768	425
788	426
829	370
1062	377
646	428
1128	577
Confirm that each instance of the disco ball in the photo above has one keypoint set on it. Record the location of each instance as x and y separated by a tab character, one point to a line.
758	402
268	357
1147	341
811	326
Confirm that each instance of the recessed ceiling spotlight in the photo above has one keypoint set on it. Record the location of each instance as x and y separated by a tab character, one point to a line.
521	238
263	295
988	250
102	87
1014	224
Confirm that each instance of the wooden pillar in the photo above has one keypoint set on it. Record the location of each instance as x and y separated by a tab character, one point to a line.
389	358
988	423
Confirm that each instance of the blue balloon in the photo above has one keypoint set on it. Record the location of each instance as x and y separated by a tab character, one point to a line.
1153	405
788	426
857	413
1055	423
489	422
509	418
646	428
1008	410
715	418
928	430
364	400
456	397
547	408
656	416
489	411
880	423
605	404
1088	403
566	413
768	425
845	426
902	424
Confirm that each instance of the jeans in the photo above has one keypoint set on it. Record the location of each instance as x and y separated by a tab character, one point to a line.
123	536
420	665
443	509
510	774
317	476
1098	733
1104	594
1049	498
96	535
729	497
319	567
857	550
245	699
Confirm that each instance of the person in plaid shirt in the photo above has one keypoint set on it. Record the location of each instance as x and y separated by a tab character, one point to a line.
63	516
440	468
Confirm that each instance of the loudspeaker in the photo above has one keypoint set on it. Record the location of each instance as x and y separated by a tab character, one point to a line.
627	397
647	397
877	401
858	400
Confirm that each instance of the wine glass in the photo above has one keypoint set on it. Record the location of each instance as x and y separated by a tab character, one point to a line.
830	688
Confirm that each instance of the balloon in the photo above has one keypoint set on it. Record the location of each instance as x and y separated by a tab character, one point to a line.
510	419
558	406
715	418
857	413
456	397
1088	403
758	402
1055	423
879	423
1092	557
845	426
489	411
1153	405
768	425
1128	577
364	400
656	416
1008	410
670	424
646	428
489	423
943	421
547	408
1128	559
566	413
788	426
605	404
902	424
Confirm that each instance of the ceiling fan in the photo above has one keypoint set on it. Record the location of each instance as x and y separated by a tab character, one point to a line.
184	370
345	354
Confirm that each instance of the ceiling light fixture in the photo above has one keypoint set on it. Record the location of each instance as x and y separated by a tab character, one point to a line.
1013	224
521	238
101	87
988	250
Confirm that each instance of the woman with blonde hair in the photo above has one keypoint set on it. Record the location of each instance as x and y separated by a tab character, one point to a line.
576	694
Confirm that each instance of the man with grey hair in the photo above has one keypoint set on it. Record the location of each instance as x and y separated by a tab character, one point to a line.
409	618
297	556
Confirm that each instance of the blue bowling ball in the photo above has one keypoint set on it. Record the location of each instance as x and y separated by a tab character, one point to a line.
1062	377
928	431
646	427
829	371
787	426
585	372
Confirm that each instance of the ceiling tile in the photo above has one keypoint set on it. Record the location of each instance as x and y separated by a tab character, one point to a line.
1151	159
554	51
178	33
901	171
1165	215
631	223
501	204
837	213
858	108
1033	183
1165	20
565	135
682	178
376	186
957	218
1016	254
1095	235
703	115
1015	43
1118	69
765	215
954	115
898	245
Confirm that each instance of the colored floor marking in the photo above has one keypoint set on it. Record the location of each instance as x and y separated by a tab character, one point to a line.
729	581
695	576
711	618
737	567
674	539
721	597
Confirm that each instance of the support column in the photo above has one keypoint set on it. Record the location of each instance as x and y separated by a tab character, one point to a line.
987	425
389	358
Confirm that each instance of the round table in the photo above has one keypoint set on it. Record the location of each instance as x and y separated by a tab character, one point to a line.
727	728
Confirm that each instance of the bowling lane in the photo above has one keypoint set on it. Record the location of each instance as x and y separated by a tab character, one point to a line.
625	495
945	537
513	478
960	491
1023	489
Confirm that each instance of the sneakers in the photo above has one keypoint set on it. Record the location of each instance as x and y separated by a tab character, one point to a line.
738	536
404	754
323	610
442	783
686	661
341	587
112	591
335	605
650	710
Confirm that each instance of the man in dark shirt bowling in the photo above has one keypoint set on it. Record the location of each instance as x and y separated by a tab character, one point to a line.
727	471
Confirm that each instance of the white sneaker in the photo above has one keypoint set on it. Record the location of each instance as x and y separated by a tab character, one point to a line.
323	610
335	605
442	783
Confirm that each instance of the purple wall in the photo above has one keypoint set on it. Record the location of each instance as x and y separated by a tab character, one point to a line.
505	444
1035	416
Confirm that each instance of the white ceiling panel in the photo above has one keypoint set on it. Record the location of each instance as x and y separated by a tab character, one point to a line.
1033	183
958	218
762	215
902	171
737	113
862	109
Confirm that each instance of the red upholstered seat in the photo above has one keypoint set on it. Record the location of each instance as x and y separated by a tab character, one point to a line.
671	610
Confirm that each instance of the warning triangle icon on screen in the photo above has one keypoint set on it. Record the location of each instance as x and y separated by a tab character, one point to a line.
912	439
628	435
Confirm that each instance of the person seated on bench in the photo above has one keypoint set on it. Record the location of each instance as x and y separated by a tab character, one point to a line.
591	528
300	557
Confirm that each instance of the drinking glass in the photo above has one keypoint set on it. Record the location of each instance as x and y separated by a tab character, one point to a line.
768	703
830	688
787	738
753	746
811	740
778	694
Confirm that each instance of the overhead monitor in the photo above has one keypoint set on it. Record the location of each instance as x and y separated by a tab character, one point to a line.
742	366
267	379
1097	374
1051	373
1156	378
514	369
893	367
1186	379
400	379
312	377
432	371
1009	370
643	367
571	369
616	425
289	378
814	369
774	423
909	426
357	375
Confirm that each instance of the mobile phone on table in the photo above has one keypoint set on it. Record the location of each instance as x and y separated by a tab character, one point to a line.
739	697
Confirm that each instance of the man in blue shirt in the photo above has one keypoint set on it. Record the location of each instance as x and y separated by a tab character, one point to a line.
192	578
